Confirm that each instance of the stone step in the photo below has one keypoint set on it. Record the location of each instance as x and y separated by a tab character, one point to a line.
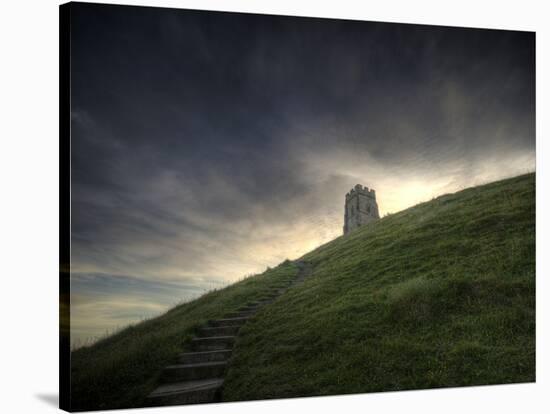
228	321
273	296
240	314
248	308
213	343
198	378
188	372
268	296
186	392
208	331
254	303
279	294
205	356
268	301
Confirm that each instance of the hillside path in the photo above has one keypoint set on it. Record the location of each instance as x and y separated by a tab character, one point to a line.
198	376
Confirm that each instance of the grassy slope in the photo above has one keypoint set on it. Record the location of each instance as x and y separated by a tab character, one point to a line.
442	294
121	370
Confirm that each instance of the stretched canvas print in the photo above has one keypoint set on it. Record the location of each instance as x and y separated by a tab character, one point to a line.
257	207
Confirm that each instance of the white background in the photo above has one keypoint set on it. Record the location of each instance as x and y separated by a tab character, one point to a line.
29	204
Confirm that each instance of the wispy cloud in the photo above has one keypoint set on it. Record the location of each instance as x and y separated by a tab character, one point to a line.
103	303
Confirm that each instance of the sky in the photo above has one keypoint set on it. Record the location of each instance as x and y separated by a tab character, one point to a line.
206	146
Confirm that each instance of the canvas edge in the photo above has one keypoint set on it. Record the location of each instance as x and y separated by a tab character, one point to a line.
64	206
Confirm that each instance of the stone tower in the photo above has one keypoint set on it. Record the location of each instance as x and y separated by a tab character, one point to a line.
361	208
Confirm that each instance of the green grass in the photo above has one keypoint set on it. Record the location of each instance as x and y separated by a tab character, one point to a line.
439	295
121	370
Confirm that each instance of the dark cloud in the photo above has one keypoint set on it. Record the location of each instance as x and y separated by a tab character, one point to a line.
208	145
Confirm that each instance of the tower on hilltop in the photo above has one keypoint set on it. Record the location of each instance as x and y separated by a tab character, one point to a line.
361	208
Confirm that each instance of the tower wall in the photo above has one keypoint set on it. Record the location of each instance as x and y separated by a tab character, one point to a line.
360	208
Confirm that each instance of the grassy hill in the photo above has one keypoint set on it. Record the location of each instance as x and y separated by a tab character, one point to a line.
441	294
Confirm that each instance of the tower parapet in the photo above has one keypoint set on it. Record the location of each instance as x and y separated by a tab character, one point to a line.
360	208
